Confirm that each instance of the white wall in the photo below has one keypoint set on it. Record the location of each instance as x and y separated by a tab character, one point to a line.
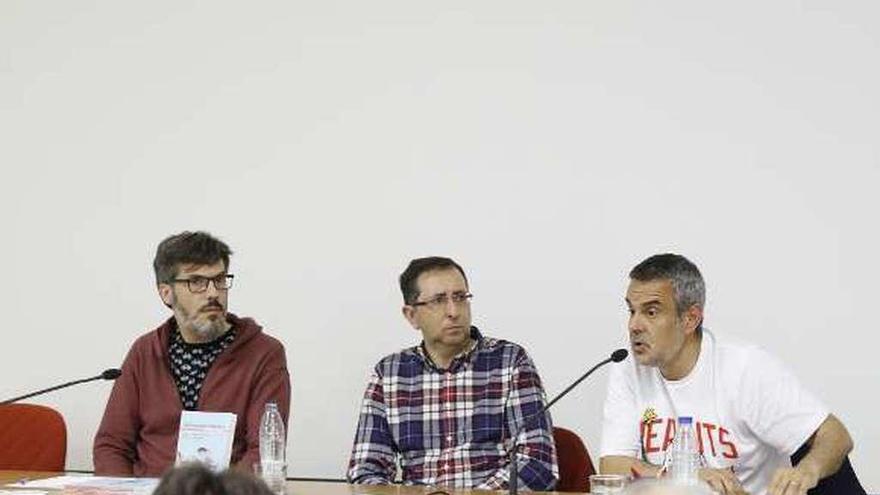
546	146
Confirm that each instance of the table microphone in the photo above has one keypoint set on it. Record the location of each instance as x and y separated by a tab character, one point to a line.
109	374
513	484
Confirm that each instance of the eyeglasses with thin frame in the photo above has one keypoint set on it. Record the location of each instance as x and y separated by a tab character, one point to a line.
200	284
441	300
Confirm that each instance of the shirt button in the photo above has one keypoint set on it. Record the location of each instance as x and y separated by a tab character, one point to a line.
448	438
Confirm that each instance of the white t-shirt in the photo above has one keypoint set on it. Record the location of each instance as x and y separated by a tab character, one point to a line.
750	412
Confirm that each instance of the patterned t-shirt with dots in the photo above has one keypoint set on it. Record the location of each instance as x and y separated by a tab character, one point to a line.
190	364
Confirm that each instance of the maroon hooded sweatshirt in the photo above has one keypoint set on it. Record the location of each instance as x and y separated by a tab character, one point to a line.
138	434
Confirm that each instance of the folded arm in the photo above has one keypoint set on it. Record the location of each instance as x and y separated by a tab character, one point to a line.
536	453
114	450
374	453
829	446
627	466
272	384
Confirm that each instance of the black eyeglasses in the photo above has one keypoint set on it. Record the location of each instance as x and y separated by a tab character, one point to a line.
441	300
200	284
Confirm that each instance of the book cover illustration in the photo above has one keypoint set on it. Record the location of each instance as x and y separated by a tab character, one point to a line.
206	437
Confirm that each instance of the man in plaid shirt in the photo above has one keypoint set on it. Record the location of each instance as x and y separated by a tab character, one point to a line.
447	409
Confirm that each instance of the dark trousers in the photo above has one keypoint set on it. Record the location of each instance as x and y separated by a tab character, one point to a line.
843	482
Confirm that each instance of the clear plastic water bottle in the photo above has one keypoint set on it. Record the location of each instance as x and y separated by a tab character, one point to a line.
273	443
683	458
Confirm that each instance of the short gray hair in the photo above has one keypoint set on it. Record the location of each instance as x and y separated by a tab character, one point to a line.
687	282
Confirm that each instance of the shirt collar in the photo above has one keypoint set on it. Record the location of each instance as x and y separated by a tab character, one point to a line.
460	359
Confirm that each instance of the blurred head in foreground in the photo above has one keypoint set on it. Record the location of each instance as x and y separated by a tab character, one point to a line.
196	479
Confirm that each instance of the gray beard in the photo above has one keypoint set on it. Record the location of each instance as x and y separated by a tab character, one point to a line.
209	330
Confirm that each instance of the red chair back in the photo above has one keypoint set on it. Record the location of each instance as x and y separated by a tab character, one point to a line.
575	465
32	438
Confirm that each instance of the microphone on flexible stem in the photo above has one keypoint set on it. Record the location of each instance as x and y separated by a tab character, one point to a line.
513	485
109	374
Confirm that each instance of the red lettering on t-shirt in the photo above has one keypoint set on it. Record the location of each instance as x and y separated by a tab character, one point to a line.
699	432
710	434
730	448
670	433
650	434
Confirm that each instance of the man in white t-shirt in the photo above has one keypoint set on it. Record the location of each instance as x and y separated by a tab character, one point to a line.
750	413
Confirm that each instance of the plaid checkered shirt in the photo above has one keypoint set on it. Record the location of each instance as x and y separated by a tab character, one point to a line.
454	427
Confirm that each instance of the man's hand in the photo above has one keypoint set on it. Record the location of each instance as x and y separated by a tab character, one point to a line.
644	470
829	446
722	481
627	466
793	481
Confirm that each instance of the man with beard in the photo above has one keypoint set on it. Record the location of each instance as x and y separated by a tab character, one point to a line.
752	418
201	359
